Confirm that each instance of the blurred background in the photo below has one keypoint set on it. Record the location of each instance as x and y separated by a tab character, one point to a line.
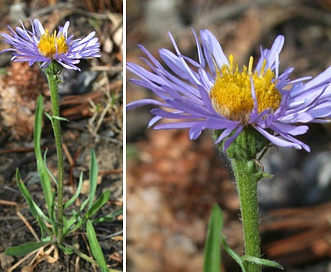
173	182
92	102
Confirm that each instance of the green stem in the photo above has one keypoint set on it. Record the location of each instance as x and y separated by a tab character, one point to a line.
245	172
53	81
243	154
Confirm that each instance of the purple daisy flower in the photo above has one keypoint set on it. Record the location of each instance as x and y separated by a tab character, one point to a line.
214	93
41	46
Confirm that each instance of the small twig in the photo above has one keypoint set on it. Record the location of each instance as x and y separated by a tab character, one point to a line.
21	217
16	191
100	16
8	203
77	269
67	263
16	150
66	151
9	217
94	128
23	150
105	68
75	244
60	6
118	233
116	257
114	171
28	225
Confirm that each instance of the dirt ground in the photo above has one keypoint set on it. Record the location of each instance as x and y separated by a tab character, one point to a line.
173	182
91	101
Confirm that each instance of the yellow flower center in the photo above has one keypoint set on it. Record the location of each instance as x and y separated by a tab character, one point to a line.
49	45
231	94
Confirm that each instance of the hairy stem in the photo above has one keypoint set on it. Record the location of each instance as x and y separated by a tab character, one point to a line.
53	81
245	175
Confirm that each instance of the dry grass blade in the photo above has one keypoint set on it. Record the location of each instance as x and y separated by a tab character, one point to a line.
28	225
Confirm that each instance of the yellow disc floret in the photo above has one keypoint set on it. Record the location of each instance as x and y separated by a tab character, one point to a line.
49	45
231	94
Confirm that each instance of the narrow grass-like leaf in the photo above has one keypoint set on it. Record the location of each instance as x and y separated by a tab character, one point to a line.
24	249
95	247
97	204
93	178
44	177
233	254
47	239
37	214
41	214
66	249
109	217
79	222
74	197
47	169
82	207
89	213
60	118
49	117
262	262
95	207
69	223
212	260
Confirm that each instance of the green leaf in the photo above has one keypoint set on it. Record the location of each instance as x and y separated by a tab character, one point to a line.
212	260
95	247
74	197
82	207
24	249
41	214
78	221
47	169
44	177
97	204
233	254
69	223
60	118
47	239
34	209
49	117
261	261
66	249
95	207
109	217
93	178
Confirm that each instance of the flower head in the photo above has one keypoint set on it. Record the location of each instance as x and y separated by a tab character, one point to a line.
39	45
214	93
